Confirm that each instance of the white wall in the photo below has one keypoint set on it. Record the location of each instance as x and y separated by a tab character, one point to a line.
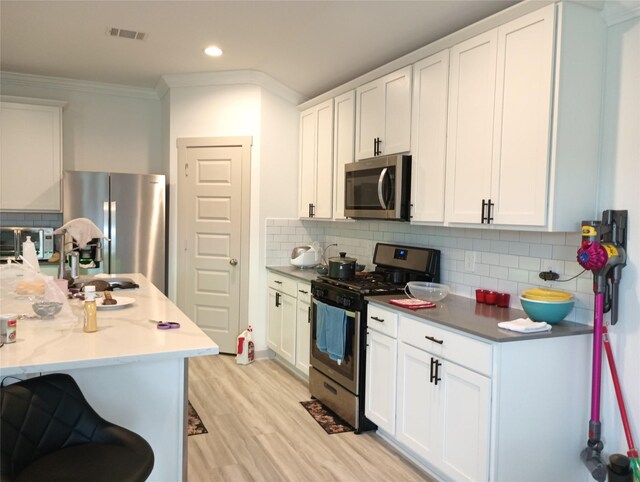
620	178
241	110
104	128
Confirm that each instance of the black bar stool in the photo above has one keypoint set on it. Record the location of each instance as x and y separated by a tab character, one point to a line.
49	432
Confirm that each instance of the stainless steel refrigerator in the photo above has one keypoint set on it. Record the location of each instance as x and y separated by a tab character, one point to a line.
130	210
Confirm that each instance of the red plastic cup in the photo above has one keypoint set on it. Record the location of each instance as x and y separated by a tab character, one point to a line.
503	300
490	297
480	295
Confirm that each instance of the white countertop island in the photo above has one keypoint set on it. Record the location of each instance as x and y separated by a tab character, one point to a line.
132	373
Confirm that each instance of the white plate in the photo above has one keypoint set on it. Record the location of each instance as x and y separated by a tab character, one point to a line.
122	302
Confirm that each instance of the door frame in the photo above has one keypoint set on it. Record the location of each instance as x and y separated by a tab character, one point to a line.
245	142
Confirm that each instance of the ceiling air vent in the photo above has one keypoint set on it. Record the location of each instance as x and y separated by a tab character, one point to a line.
124	33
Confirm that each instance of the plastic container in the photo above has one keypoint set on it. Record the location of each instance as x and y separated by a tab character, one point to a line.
550	311
29	254
546	294
90	310
8	325
245	354
426	291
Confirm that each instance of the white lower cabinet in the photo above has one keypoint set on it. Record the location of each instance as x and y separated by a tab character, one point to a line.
281	332
289	323
380	385
303	332
443	413
467	408
282	325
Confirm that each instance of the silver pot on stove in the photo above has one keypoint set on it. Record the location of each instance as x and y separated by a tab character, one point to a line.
342	267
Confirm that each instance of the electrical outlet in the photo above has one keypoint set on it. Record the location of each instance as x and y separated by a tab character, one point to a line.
470	261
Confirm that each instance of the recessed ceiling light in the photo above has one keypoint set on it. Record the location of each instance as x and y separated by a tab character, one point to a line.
213	51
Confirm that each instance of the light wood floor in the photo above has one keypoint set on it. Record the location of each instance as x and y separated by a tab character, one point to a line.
258	431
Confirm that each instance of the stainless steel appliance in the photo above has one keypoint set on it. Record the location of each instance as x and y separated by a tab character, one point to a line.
11	239
130	211
378	188
341	386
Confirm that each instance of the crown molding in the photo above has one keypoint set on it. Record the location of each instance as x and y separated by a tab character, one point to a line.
33	101
60	83
230	77
620	11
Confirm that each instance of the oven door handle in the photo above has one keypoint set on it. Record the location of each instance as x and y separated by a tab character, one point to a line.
351	314
383	174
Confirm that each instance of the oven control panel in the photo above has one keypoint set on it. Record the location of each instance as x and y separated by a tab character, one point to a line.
344	298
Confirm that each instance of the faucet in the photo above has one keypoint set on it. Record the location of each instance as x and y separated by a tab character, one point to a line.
62	271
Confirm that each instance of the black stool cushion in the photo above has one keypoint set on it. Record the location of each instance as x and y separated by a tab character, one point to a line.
49	432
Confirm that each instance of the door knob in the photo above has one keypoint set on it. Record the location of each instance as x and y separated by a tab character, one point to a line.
233	261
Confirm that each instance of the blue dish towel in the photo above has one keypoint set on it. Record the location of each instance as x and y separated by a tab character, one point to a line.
331	330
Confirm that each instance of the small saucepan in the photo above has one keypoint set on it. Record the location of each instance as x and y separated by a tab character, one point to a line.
342	267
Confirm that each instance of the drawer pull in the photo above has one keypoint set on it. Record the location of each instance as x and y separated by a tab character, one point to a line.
277	282
303	292
330	388
381	320
435	340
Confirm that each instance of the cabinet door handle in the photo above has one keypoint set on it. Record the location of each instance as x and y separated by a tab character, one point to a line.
482	216
490	206
277	299
309	315
435	340
435	365
381	320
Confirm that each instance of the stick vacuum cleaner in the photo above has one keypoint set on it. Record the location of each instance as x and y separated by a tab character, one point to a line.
603	251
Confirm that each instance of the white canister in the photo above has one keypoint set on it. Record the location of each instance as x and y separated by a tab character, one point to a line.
8	325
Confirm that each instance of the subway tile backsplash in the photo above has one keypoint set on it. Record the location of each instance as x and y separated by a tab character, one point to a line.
29	219
508	261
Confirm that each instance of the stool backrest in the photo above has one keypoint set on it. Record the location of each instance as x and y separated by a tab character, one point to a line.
43	414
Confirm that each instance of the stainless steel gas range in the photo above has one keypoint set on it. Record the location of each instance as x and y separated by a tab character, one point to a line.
340	384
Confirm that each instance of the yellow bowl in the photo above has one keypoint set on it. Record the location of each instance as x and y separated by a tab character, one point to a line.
546	294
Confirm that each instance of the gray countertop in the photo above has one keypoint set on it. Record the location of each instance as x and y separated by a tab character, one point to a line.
306	274
479	319
460	313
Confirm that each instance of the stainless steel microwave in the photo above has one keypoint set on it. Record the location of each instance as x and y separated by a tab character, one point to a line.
11	239
378	188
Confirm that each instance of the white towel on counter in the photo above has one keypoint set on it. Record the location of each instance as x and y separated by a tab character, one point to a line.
525	325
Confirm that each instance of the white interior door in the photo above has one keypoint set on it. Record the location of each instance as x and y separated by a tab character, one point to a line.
213	255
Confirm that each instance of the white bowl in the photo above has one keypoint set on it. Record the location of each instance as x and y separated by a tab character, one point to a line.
426	291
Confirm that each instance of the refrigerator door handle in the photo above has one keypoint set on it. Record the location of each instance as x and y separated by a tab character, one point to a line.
112	238
105	230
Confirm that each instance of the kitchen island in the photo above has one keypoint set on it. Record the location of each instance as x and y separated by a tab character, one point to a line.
132	373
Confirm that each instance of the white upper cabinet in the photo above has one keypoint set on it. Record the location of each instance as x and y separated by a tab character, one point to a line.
522	147
522	119
316	162
383	115
472	92
344	144
31	156
429	137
